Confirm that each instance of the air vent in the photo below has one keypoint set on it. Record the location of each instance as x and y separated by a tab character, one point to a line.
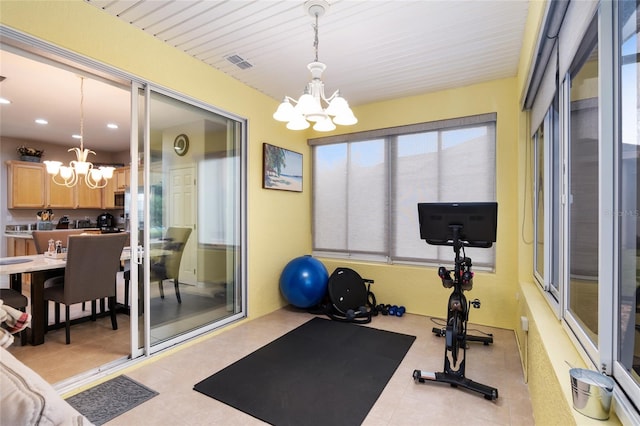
239	61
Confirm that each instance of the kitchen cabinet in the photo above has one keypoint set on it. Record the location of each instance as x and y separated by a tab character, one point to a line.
119	183
59	196
25	185
30	187
108	193
122	176
87	198
20	246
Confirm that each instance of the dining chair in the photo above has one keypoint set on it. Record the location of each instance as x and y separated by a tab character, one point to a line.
90	274
165	265
41	242
17	300
41	238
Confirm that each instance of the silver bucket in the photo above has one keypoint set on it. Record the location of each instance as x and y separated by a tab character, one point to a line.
591	393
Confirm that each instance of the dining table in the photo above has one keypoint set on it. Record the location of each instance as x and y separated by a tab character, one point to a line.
40	267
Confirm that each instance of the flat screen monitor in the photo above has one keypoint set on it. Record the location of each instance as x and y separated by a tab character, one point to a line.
476	223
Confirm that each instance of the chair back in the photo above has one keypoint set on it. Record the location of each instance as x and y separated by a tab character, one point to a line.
93	260
175	240
41	238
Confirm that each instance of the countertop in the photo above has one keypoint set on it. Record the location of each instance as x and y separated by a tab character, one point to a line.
27	234
18	234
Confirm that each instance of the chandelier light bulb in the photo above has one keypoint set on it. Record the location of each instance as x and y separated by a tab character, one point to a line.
324	125
338	106
298	123
285	111
345	119
53	167
107	172
66	172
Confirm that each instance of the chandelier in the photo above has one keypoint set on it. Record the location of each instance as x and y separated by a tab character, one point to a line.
309	107
80	168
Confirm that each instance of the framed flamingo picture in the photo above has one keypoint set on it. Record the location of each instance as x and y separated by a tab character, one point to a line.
282	169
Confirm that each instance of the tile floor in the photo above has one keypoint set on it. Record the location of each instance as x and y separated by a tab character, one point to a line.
403	402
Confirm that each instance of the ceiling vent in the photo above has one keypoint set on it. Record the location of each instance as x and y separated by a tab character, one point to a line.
238	61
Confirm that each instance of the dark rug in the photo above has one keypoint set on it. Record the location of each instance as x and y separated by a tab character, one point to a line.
322	373
110	399
168	309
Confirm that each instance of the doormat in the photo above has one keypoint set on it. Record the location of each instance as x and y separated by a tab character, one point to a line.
321	373
110	399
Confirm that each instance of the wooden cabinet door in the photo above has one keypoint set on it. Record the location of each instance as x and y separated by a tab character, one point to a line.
122	176
60	196
25	185
30	247
88	198
108	200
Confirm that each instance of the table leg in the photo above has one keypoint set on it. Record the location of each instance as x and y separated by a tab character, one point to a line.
38	321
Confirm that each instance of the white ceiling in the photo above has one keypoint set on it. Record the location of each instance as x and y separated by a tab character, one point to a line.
374	50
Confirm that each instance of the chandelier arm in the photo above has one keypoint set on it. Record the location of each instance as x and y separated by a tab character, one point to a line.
92	184
332	97
69	183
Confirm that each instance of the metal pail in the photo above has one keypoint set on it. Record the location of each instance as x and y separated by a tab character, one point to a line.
591	393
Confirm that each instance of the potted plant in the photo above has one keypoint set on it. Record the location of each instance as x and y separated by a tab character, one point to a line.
30	154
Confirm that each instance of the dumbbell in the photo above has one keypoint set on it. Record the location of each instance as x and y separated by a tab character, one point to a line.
351	314
383	309
397	310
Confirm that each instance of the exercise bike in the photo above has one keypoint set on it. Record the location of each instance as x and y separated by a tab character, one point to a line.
465	225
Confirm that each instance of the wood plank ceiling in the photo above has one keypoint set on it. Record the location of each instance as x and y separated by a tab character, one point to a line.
374	50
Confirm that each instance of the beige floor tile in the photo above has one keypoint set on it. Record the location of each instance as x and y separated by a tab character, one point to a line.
403	402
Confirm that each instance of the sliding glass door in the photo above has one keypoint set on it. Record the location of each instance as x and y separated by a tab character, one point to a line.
189	218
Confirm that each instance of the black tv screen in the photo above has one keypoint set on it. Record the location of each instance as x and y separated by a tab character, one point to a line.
476	223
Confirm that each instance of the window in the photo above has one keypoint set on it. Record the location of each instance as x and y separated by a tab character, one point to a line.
366	187
546	201
629	193
582	205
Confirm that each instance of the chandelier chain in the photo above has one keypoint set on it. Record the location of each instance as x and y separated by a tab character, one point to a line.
82	113
315	41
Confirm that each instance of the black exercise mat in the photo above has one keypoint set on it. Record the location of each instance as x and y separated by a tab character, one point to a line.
110	399
322	373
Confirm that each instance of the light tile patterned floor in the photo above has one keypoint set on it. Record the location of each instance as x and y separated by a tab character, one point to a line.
403	402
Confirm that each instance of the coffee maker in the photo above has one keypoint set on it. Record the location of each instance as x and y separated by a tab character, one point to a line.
106	221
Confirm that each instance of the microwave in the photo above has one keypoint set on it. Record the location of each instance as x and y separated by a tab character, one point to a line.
118	199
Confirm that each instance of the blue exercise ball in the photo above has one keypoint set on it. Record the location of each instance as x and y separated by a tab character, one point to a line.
303	281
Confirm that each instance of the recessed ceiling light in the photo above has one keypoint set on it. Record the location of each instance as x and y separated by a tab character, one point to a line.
4	101
112	126
41	121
